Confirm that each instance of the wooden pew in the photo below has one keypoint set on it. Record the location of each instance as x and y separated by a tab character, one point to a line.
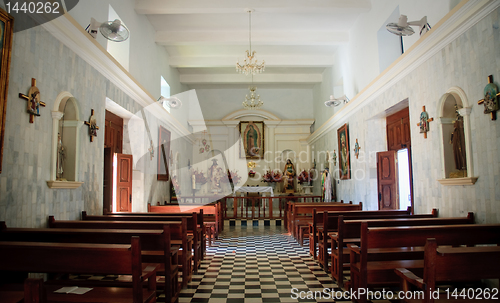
193	227
349	232
383	249
301	211
152	242
452	264
179	236
66	258
319	219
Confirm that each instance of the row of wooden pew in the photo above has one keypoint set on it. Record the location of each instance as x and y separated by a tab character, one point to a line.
142	245
391	248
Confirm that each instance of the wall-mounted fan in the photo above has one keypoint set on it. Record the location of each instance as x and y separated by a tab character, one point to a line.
171	102
336	101
111	30
403	28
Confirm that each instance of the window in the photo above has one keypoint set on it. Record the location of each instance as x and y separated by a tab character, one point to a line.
165	91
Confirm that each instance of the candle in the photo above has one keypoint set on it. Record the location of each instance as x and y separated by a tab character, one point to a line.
194	181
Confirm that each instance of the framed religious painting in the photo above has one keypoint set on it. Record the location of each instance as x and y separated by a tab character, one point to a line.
163	153
252	135
344	153
6	33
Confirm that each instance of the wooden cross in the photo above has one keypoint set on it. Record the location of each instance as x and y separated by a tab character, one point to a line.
33	99
356	149
424	122
490	98
92	124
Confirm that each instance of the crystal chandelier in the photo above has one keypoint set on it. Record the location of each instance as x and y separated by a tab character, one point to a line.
250	64
252	101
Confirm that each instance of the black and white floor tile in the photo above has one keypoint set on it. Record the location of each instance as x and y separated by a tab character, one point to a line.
256	264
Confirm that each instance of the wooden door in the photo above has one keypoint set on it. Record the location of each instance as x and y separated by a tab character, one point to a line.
113	132
108	180
124	183
387	180
398	130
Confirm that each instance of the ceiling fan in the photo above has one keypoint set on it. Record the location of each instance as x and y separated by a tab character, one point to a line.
111	30
403	28
171	102
336	101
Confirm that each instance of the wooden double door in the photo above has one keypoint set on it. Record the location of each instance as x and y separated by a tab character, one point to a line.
398	138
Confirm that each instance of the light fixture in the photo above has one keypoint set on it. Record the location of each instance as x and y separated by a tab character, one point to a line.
111	30
403	28
171	102
336	101
252	101
250	64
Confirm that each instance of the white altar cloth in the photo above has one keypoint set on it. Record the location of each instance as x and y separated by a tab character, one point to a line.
256	189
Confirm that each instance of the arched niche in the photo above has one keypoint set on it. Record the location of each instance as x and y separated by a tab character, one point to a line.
454	106
66	122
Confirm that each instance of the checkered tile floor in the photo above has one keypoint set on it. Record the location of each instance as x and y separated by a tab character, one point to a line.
256	264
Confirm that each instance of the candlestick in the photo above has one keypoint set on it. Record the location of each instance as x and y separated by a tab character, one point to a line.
194	181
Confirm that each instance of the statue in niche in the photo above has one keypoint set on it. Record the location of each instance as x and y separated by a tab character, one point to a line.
61	154
458	142
288	174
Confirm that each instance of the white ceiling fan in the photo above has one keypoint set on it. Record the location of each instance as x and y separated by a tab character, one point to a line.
403	27
336	101
111	30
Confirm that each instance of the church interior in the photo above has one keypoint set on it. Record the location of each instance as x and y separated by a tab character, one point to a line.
249	151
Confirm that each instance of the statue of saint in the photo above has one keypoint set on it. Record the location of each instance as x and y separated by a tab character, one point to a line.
288	174
457	139
216	174
61	154
326	186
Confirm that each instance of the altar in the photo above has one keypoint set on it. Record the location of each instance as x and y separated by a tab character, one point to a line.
255	189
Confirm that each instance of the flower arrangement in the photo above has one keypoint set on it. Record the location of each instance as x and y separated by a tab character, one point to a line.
233	175
303	177
272	176
200	177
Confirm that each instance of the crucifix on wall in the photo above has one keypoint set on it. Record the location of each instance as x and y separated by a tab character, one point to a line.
424	122
33	99
92	124
490	100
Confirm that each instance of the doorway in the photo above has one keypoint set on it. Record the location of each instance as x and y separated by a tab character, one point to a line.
117	183
394	167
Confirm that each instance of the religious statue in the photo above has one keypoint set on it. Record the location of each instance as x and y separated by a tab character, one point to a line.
326	185
215	174
457	139
288	174
61	154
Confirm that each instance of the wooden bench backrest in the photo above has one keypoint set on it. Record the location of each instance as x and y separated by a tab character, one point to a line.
459	264
350	227
71	257
320	207
468	234
189	208
177	228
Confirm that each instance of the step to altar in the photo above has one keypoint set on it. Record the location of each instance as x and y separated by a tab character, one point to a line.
252	222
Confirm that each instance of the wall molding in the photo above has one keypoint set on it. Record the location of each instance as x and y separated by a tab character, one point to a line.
465	15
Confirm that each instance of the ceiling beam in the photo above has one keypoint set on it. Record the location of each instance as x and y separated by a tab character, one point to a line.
156	7
242	79
258	37
230	61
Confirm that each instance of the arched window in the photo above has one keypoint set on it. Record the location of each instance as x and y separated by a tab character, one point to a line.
456	146
66	126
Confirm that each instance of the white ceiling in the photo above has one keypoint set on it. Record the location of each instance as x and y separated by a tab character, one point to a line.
296	38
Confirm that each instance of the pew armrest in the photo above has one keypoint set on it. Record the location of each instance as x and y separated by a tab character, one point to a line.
149	271
354	248
409	277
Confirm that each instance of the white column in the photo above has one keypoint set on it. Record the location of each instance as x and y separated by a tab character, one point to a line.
271	155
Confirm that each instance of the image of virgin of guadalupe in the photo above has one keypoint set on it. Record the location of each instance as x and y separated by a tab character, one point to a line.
252	139
345	155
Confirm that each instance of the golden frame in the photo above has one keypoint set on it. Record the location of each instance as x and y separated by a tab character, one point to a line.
6	34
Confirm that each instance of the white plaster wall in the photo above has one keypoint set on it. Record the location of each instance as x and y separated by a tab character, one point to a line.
466	63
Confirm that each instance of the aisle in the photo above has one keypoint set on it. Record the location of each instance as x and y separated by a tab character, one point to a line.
255	264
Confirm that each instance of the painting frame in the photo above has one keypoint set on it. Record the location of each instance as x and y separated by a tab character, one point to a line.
6	35
344	152
258	126
164	136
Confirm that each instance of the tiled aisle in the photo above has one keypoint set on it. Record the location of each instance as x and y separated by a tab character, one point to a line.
255	264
